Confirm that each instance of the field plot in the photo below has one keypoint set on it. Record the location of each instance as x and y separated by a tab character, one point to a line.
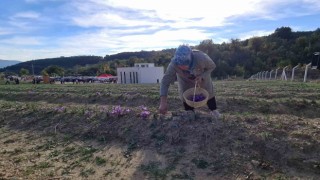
269	130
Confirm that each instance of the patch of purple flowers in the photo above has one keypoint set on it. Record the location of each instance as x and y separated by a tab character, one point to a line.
119	111
60	109
145	112
88	113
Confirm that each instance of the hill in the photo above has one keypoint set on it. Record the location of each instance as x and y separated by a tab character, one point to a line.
37	66
138	54
68	63
5	63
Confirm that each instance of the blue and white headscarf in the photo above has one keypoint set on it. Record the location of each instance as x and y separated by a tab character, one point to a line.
182	55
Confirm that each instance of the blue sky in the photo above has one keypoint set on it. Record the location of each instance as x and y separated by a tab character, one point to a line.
36	29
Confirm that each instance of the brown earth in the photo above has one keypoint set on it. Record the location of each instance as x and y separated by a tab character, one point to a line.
262	135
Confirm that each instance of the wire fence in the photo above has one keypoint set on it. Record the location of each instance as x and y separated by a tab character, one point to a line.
297	74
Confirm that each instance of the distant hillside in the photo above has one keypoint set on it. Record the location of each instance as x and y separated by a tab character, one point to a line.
5	63
37	66
70	62
138	54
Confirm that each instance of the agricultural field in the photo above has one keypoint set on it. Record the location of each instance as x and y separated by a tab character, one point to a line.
269	130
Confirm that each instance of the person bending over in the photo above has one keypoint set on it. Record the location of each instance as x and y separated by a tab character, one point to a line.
189	67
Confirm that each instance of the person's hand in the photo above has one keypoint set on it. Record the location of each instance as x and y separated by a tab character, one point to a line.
198	79
163	108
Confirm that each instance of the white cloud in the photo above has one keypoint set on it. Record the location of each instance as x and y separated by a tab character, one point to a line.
9	53
106	40
176	13
28	41
110	20
24	21
5	31
181	9
27	14
30	1
257	33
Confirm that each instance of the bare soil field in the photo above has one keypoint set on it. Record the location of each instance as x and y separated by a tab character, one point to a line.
269	130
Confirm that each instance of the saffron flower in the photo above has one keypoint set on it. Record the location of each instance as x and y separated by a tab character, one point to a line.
145	112
197	97
119	111
60	109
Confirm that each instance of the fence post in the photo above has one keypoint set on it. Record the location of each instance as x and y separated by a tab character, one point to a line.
275	76
283	75
270	74
265	76
293	69
306	72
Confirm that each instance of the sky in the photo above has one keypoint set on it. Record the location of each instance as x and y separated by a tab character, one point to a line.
38	29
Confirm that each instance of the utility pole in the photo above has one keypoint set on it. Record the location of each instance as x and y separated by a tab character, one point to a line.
32	70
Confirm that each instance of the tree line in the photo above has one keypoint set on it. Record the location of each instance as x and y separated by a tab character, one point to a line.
241	58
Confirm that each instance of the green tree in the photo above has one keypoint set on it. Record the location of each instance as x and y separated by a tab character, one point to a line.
283	62
24	72
44	73
54	70
2	76
132	60
255	44
239	70
284	33
207	46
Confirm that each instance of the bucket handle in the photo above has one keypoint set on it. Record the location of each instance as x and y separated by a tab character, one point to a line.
194	92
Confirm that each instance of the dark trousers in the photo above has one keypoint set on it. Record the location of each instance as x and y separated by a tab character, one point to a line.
212	105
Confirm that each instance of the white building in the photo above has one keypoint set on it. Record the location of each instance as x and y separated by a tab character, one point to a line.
140	73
